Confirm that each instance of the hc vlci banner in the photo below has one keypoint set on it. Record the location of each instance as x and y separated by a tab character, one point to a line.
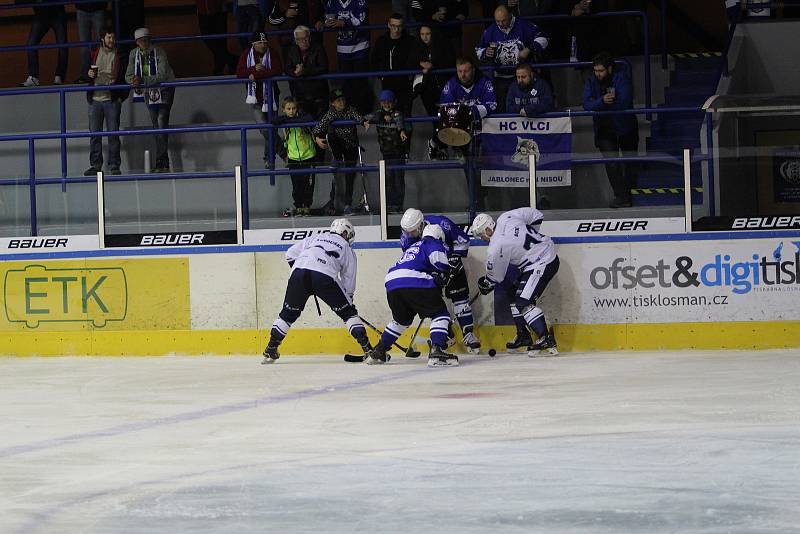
506	144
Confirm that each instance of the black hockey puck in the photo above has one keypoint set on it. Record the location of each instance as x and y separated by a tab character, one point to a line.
492	352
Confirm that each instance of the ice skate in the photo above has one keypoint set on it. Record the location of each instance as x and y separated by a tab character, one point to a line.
472	343
520	341
376	356
439	358
270	354
544	346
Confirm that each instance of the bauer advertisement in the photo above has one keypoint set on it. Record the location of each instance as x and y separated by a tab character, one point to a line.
678	282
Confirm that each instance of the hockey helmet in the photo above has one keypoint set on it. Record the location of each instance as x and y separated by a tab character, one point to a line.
435	231
481	224
412	221
344	228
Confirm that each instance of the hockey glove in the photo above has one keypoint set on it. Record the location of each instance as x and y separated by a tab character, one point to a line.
441	279
456	264
485	286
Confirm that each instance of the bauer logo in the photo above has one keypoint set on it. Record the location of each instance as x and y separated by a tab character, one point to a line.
758	272
36	295
38	243
612	226
766	223
298	235
172	239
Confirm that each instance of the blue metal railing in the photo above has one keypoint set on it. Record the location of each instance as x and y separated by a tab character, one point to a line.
32	181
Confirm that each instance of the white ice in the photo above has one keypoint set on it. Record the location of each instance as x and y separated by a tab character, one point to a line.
638	442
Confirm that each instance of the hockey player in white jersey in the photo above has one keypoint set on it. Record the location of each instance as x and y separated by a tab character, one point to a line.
323	265
515	240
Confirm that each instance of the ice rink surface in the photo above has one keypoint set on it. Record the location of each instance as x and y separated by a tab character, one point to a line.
636	442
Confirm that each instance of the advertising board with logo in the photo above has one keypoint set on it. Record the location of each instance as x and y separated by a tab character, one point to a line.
691	281
506	144
136	294
289	236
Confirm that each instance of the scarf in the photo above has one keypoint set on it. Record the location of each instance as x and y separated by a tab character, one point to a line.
153	93
252	86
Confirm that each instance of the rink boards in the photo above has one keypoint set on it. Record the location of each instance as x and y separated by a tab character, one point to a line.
693	291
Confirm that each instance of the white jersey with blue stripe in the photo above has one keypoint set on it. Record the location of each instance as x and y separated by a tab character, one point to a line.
455	239
516	241
329	254
418	265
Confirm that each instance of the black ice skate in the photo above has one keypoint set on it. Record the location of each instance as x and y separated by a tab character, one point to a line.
520	341
270	354
439	358
544	346
377	356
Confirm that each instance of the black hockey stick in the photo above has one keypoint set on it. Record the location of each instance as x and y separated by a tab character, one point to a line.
319	311
355	358
396	344
414	353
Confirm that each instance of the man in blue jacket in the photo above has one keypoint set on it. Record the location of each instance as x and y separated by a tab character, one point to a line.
530	96
610	89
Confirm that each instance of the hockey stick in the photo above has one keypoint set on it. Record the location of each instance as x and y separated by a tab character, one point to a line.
355	358
364	201
396	344
414	353
319	311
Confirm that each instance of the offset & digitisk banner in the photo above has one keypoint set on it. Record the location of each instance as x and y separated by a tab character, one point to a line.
682	281
506	144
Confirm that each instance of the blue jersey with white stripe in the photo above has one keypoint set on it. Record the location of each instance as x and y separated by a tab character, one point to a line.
456	240
418	265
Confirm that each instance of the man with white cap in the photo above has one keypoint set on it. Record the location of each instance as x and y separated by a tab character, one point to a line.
515	240
148	66
258	63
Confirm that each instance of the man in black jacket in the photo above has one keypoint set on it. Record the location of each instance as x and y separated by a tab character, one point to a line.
396	50
306	58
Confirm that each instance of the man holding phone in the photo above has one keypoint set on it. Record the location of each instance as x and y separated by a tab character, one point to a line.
610	89
107	68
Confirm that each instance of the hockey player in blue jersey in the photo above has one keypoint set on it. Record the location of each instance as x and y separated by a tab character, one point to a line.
413	287
456	242
323	265
516	240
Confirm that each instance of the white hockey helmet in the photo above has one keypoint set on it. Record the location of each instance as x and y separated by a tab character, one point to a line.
344	228
481	224
435	231
412	221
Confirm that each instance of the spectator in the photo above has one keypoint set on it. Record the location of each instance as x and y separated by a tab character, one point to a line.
259	63
47	17
470	88
212	17
507	43
396	50
449	14
306	58
352	47
249	19
610	88
343	145
107	68
90	18
435	53
300	153
591	33
530	96
393	140
288	14
148	66
530	8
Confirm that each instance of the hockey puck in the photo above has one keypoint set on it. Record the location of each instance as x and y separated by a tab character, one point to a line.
492	352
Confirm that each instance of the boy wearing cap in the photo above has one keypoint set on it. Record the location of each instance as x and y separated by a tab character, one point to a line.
343	144
258	63
147	67
393	141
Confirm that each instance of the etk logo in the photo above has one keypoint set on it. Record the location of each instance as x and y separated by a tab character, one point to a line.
36	295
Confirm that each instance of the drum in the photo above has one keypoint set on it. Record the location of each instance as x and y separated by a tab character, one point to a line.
455	124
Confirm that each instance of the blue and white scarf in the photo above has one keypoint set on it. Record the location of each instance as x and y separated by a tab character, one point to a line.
153	96
266	60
